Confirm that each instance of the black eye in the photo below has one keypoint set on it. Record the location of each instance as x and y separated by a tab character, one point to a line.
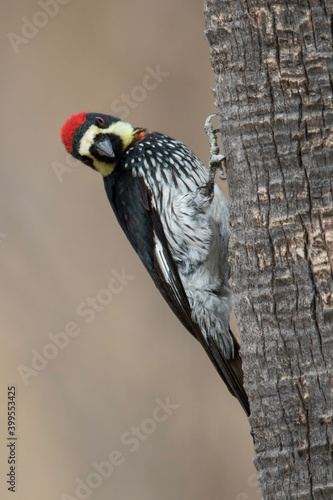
100	121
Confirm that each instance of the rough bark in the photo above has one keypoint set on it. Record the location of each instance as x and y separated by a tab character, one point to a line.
273	64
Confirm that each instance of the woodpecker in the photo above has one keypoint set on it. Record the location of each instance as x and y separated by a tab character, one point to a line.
177	220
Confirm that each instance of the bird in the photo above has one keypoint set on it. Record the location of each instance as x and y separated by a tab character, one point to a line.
176	219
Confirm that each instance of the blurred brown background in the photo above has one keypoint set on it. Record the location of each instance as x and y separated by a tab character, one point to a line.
59	243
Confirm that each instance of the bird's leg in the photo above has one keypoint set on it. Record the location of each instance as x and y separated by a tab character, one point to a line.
215	159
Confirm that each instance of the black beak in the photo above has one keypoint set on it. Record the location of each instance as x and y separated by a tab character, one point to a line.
104	147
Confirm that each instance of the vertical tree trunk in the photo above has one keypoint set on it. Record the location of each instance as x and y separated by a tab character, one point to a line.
273	64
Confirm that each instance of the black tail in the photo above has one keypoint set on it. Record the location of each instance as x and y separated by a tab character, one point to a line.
230	371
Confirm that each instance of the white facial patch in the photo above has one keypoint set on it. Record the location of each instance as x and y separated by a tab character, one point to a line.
87	140
124	130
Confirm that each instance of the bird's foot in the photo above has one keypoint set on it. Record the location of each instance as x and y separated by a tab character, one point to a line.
215	159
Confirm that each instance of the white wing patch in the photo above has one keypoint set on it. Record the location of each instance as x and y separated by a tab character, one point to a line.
159	250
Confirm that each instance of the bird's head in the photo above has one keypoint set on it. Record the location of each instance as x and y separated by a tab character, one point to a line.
97	140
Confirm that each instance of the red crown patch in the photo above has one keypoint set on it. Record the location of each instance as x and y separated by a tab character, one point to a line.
69	128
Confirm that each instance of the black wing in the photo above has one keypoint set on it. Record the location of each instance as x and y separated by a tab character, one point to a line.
135	212
131	203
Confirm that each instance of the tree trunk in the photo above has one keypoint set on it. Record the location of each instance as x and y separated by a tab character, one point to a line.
273	64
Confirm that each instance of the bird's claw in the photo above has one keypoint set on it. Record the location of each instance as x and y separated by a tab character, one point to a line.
208	119
215	159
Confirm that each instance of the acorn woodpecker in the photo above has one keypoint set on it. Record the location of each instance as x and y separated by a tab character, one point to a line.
176	219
